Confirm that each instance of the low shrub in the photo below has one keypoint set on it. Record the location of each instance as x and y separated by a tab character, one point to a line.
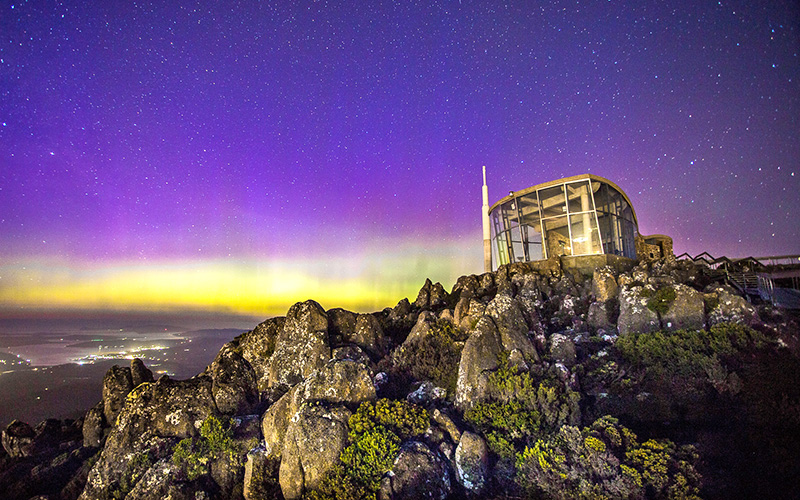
376	432
434	357
521	407
606	461
193	455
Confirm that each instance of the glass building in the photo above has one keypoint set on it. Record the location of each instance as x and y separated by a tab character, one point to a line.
581	215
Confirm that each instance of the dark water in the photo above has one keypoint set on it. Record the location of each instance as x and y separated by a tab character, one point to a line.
53	366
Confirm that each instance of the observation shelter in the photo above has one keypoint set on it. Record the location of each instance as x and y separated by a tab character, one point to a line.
584	215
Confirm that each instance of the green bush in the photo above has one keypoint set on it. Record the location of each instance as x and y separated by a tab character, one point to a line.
376	432
434	357
606	461
371	455
687	353
135	469
193	455
521	407
404	419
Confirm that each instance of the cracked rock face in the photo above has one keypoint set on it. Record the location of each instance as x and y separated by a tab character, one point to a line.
481	355
315	437
418	472
472	462
634	316
302	347
117	383
18	439
155	414
731	308
234	386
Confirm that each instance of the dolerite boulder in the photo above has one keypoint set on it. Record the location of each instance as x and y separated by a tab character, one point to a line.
18	439
260	472
257	347
275	420
234	385
562	349
481	355
421	328
431	296
339	382
604	284
155	415
302	346
368	335
730	307
418	472
139	372
314	439
344	382
511	325
599	316
472	462
634	315
94	425
117	383
687	310
158	483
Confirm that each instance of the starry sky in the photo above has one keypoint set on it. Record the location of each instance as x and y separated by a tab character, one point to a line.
244	155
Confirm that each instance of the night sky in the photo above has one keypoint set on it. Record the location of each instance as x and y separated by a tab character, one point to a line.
246	155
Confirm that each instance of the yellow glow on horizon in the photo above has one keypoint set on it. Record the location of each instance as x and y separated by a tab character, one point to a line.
366	282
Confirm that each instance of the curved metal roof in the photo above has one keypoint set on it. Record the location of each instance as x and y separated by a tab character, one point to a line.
582	177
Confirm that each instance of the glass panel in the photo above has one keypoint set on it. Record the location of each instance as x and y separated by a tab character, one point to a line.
601	200
609	232
557	236
628	233
585	237
500	246
511	223
578	197
553	202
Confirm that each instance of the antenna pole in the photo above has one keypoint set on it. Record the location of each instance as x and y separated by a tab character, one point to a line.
487	244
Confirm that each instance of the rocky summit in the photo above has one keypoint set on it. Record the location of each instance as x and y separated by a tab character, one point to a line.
535	381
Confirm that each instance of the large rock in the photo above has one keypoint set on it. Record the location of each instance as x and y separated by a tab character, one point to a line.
314	440
472	462
339	382
260	474
418	472
511	325
599	316
139	372
341	324
368	335
276	419
117	383
257	347
431	296
422	327
604	285
481	354
562	349
154	415
687	310
234	387
302	347
634	315
729	307
93	426
160	482
343	381
18	439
